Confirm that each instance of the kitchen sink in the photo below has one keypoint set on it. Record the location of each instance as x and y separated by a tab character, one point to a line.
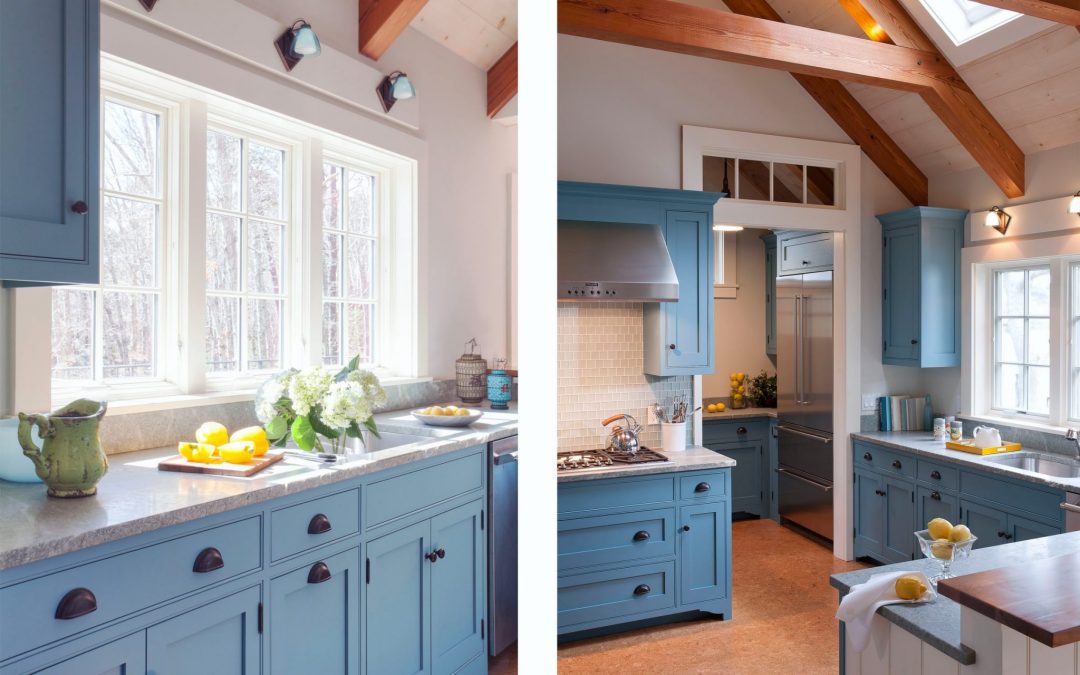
392	440
1049	465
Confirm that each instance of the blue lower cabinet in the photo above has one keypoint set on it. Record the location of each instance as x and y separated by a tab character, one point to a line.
458	588
220	638
314	617
990	525
613	596
1022	529
899	536
869	500
747	476
397	609
126	656
704	553
931	503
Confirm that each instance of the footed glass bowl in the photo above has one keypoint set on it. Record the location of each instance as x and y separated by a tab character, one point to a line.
945	552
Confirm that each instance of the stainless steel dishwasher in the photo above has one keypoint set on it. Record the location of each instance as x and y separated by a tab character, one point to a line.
503	544
1071	506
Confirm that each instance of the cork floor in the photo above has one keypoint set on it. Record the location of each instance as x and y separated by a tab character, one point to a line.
783	621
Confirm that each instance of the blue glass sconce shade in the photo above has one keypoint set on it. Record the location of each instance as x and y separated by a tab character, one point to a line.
393	88
298	41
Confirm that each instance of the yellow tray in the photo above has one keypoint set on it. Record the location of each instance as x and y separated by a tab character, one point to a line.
966	446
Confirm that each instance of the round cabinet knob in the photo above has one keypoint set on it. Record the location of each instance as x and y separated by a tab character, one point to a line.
75	603
896	464
935	474
702	487
208	560
319	573
671	346
319	524
432	556
441	553
806	262
914	342
80	207
642	589
935	495
685	528
1001	534
741	430
641	535
879	493
867	456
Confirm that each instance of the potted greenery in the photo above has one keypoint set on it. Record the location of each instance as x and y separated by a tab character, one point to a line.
762	390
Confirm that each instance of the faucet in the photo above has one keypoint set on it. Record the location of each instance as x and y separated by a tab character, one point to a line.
1074	436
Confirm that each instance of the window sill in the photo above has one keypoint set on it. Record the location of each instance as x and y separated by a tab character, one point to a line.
1019	423
725	291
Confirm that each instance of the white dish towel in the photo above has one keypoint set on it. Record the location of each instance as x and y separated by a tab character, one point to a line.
859	607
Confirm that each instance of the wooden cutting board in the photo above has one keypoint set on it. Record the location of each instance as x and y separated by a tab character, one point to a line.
178	463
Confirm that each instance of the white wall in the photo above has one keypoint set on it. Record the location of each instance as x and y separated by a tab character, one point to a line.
5	354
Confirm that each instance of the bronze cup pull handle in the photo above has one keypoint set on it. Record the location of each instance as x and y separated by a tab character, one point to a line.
75	603
208	560
318	573
319	524
641	535
643	589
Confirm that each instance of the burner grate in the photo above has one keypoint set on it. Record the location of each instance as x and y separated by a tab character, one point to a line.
643	456
598	459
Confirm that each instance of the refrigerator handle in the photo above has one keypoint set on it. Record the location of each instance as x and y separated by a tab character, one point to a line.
798	350
805	349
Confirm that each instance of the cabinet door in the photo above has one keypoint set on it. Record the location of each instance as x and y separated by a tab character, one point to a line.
869	514
770	295
899	539
704	533
314	618
1022	529
126	656
747	476
458	588
49	140
900	296
774	478
220	638
989	525
687	324
397	609
931	503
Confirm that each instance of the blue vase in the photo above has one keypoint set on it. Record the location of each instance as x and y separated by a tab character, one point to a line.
498	389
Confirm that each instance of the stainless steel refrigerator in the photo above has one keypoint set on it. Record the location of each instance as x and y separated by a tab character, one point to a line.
804	367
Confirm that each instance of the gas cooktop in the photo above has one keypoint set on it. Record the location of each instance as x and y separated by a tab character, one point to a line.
599	459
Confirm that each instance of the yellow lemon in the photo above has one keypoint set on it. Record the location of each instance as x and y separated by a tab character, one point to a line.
720	407
942	548
450	410
959	533
256	435
196	452
910	587
710	408
240	452
742	377
736	397
742	389
437	410
939	528
463	412
733	376
213	433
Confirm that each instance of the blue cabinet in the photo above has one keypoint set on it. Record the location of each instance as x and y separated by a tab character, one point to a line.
769	240
704	553
799	252
458	588
747	476
678	336
920	274
315	617
898	538
931	503
49	204
869	519
219	638
126	656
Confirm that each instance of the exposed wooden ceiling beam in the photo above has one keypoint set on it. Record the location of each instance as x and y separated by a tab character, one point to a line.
502	81
955	104
382	21
713	33
1060	11
850	116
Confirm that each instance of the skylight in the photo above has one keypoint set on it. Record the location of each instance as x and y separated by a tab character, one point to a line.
963	20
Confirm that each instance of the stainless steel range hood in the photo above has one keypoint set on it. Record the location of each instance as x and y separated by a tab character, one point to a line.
626	262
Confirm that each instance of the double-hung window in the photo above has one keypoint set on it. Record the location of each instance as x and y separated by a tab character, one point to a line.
1021	359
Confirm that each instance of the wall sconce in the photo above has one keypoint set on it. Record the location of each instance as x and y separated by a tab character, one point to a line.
727	228
298	41
393	88
148	4
1074	203
998	219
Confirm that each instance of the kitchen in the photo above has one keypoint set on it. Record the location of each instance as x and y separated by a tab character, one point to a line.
950	267
241	244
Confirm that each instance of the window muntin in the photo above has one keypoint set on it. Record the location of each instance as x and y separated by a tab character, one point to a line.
1022	349
111	331
350	255
764	180
246	230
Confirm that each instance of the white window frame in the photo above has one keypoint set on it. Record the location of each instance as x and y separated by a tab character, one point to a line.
1054	268
191	110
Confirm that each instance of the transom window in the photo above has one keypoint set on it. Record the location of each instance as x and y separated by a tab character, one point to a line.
1022	340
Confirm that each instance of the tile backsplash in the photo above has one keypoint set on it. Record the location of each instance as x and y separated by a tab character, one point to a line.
601	363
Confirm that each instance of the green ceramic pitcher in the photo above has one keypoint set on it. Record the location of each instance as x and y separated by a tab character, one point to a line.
71	460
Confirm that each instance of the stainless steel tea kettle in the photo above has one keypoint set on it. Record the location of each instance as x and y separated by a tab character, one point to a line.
621	439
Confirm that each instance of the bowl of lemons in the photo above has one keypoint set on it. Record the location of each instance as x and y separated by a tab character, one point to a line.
447	416
945	542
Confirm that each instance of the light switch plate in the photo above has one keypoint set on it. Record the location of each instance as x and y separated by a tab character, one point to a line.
870	401
650	415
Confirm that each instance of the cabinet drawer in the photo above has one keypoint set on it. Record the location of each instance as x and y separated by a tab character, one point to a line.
880	459
124	584
734	431
805	253
939	475
609	539
704	486
401	495
594	495
319	521
610	594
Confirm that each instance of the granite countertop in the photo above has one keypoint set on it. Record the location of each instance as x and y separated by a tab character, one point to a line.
938	622
743	414
694	458
135	497
921	443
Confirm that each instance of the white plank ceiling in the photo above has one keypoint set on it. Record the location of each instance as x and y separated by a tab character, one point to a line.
480	31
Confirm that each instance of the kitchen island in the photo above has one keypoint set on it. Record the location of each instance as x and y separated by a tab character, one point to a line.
305	567
954	634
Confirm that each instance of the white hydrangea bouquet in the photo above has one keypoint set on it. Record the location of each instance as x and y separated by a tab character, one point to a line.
320	411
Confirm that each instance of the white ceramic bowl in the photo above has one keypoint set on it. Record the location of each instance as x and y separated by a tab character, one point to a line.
448	420
14	465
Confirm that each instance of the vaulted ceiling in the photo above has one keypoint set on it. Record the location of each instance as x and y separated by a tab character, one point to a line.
479	31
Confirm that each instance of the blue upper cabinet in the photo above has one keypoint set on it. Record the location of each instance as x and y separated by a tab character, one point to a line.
678	336
49	79
920	275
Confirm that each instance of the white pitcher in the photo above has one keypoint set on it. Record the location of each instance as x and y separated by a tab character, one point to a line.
986	437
